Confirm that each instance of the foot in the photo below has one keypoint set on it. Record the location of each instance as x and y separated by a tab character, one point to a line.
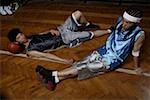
46	78
14	6
51	83
2	11
7	9
42	73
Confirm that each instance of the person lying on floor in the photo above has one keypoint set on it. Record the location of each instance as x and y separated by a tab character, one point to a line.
75	30
125	37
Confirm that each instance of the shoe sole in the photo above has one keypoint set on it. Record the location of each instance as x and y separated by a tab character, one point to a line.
50	86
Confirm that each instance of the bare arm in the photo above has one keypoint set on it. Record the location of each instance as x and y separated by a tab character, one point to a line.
137	46
48	56
52	31
45	32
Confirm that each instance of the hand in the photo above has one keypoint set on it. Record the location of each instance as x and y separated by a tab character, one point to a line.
139	71
54	32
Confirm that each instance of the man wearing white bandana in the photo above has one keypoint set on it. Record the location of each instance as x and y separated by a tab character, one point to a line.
125	37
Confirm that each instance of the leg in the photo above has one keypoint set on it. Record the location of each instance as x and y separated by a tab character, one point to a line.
82	23
51	78
72	22
77	22
2	4
67	73
62	75
79	18
73	39
86	68
7	7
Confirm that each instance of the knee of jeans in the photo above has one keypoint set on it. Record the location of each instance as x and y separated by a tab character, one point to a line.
94	66
77	14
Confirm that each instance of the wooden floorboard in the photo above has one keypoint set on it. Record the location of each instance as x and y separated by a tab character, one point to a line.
17	75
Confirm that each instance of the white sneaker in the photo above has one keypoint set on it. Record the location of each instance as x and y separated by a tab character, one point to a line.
9	7
2	11
6	8
14	6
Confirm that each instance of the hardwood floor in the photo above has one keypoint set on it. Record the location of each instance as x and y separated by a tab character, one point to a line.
17	75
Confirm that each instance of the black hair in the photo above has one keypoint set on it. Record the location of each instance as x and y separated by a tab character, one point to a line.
135	12
13	33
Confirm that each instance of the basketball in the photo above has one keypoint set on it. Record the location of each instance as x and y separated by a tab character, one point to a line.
14	48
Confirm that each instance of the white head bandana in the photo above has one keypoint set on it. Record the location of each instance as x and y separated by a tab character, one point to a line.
131	18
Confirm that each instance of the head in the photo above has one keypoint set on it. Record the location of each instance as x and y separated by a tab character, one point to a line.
131	17
15	35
